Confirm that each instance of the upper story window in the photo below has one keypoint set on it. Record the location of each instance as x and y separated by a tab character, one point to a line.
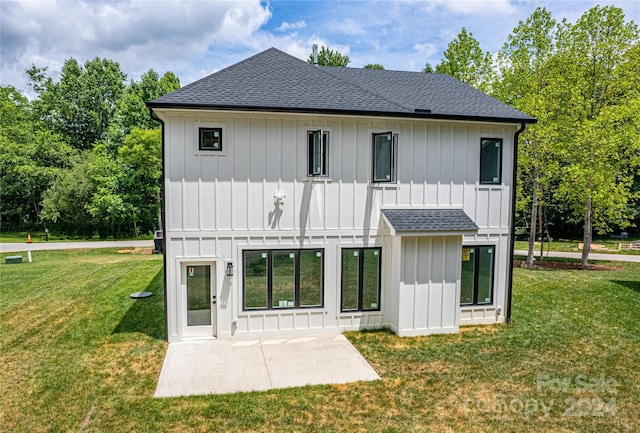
491	161
210	139
318	153
384	157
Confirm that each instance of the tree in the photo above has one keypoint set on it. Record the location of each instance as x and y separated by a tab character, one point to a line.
594	185
327	57
64	203
81	105
373	66
132	111
30	159
141	156
524	83
465	60
428	68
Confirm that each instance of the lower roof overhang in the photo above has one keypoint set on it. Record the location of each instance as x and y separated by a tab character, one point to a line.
428	222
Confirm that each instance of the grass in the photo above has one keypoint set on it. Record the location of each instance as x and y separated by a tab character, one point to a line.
79	355
611	246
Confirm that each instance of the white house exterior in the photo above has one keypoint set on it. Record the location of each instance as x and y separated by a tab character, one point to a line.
339	199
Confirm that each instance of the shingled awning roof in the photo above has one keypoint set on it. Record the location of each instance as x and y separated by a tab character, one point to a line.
414	222
275	81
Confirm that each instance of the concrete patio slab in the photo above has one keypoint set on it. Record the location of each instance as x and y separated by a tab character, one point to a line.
228	365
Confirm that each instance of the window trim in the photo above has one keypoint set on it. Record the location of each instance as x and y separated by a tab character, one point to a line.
360	308
499	181
296	305
324	153
393	157
203	129
475	302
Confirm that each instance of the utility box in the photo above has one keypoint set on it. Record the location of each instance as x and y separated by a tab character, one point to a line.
158	242
12	260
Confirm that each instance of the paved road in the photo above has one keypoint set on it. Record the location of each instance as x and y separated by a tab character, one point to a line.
592	256
15	247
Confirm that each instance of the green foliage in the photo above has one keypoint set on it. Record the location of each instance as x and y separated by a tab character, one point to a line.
465	60
84	156
328	57
132	109
595	185
30	159
373	66
64	202
81	105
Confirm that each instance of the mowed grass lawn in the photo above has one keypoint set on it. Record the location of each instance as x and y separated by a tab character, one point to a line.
77	355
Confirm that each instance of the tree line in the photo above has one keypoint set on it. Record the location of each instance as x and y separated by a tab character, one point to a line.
84	157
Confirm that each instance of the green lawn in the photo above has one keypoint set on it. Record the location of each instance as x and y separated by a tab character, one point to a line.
611	246
78	355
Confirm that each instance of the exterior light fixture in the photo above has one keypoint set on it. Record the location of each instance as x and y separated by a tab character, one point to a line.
229	269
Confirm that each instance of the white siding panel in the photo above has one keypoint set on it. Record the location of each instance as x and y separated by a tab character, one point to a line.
208	197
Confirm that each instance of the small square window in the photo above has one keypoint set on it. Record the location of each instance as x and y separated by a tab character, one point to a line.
318	153
491	161
384	157
211	139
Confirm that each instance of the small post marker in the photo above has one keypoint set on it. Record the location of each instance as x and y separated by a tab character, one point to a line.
29	256
29	238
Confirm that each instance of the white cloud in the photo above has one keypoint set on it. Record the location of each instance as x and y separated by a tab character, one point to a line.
138	34
285	26
477	7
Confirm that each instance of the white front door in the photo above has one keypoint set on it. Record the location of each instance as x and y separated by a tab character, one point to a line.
198	300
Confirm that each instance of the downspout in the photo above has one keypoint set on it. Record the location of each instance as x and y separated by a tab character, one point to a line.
164	232
513	221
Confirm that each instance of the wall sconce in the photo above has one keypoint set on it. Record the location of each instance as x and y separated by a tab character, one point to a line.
229	269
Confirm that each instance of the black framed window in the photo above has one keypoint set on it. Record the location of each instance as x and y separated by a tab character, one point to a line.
277	279
491	160
360	279
318	153
476	281
384	157
210	139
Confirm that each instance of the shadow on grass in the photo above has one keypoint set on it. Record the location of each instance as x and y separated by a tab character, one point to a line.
146	315
633	285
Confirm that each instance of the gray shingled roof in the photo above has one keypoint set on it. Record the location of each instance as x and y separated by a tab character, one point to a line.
275	81
429	220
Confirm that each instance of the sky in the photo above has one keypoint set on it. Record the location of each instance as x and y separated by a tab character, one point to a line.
198	37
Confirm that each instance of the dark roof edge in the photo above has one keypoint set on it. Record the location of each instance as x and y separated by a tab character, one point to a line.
407	115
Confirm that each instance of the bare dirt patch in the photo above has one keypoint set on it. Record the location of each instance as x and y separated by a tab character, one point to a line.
565	266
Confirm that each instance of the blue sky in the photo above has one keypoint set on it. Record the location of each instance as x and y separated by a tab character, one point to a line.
195	38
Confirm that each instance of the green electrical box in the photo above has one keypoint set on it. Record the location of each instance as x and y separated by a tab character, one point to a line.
12	260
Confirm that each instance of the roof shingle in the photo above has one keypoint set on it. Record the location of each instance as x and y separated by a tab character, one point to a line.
429	220
274	80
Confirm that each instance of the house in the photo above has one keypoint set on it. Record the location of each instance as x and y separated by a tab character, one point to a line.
304	197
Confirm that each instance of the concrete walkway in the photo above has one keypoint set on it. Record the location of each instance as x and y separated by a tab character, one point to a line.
46	246
592	256
239	365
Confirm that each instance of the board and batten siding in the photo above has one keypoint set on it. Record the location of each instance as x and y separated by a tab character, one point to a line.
218	203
